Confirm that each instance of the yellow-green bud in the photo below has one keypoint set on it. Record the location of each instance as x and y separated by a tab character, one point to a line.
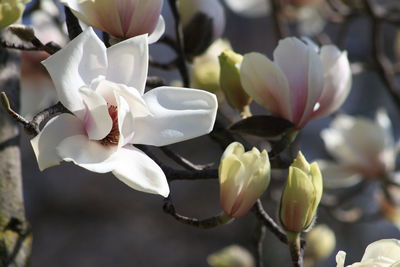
243	177
301	195
232	256
206	77
321	242
229	80
11	11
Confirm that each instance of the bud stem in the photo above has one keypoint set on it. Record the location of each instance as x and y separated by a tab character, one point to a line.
245	112
295	249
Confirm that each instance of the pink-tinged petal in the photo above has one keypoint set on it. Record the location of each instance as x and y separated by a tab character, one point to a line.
178	114
337	175
88	154
76	65
315	86
101	14
338	79
54	132
140	172
158	31
128	62
140	17
97	120
292	57
266	84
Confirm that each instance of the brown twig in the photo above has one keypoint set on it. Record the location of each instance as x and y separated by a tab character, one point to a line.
185	163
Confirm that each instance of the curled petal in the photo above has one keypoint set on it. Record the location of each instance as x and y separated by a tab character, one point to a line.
128	62
266	84
54	132
97	120
178	114
76	65
140	172
158	31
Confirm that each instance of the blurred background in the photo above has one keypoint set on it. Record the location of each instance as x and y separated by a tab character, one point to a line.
80	218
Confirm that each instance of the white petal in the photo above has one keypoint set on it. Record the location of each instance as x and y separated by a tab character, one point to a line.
128	62
140	172
266	84
302	68
97	120
337	175
77	64
88	154
249	8
340	258
315	85
53	133
383	251
158	31
126	121
337	79
178	114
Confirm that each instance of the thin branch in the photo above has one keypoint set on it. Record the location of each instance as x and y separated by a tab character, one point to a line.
279	20
153	82
179	43
73	26
172	65
182	161
202	224
260	236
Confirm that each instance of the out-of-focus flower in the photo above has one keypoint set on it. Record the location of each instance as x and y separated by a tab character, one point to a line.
389	204
382	253
206	70
300	84
243	177
104	90
11	11
301	195
363	148
121	18
232	256
37	89
203	22
230	82
249	8
321	242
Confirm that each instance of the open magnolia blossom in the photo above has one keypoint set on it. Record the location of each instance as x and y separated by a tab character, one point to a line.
300	84
382	253
121	18
104	90
362	148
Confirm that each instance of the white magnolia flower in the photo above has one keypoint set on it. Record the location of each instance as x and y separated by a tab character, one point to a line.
382	253
104	90
121	18
361	147
300	84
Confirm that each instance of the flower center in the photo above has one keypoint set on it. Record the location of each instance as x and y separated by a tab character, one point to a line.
113	137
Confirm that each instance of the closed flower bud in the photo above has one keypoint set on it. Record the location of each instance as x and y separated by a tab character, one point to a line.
301	195
232	256
243	177
321	242
203	22
229	80
11	11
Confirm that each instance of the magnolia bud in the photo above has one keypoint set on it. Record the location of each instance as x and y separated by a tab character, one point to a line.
321	242
229	80
25	33
243	177
232	256
301	195
11	11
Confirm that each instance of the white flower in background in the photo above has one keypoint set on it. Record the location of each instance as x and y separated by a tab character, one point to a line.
104	90
361	147
249	8
300	84
121	18
382	253
37	89
11	11
232	256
